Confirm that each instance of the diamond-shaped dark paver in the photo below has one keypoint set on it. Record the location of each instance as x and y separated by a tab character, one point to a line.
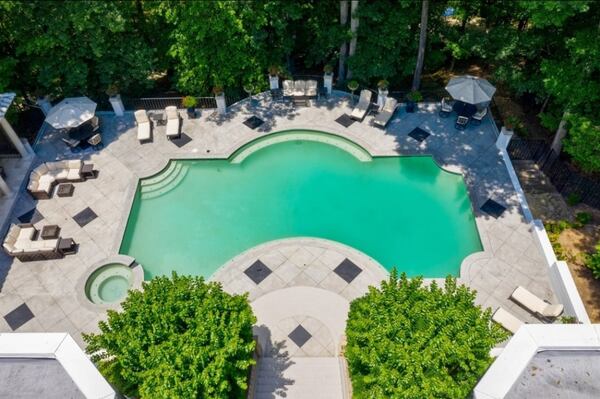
345	120
253	122
182	140
33	216
85	216
419	134
347	270
300	336
19	316
257	272
493	208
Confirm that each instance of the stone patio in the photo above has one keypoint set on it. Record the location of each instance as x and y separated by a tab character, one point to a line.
510	256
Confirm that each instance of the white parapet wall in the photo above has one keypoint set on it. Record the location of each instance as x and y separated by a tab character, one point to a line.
62	348
561	279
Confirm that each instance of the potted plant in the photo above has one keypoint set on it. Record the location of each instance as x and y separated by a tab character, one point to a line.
511	122
412	99
220	99
274	71
115	99
328	78
382	87
328	69
352	86
190	103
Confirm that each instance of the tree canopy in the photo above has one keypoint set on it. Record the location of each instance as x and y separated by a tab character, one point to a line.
548	50
405	340
177	338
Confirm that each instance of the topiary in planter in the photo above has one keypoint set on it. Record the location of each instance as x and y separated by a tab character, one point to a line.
179	337
112	90
218	90
328	69
383	84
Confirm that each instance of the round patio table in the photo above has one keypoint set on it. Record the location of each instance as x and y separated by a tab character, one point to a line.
464	109
82	132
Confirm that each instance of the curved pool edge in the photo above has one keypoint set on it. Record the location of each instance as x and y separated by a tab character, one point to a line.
137	272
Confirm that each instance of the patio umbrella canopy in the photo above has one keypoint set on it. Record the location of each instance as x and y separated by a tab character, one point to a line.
470	89
71	112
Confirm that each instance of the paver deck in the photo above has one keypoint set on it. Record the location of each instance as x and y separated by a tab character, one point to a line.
510	255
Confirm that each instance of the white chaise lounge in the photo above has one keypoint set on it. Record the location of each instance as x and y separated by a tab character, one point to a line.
360	111
386	113
507	320
535	304
144	126
43	178
172	122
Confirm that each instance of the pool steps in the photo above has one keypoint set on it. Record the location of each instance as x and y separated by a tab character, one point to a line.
163	182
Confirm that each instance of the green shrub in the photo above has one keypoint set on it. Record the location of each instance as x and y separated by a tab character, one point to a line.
568	320
189	102
415	96
405	340
177	338
593	262
352	85
573	199
583	218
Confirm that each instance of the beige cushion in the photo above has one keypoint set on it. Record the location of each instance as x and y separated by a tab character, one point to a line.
288	87
45	183
43	168
141	116
60	174
73	174
35	175
299	88
26	233
33	185
9	247
171	112
74	164
311	87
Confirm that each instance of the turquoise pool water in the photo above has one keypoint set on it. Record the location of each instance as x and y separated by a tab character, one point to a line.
405	212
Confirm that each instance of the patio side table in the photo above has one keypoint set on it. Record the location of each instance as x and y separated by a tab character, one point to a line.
50	232
65	190
88	172
67	246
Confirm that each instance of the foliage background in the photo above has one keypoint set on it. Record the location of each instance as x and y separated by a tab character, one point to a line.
177	338
547	51
405	340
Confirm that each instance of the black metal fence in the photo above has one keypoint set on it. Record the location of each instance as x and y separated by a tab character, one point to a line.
566	179
156	103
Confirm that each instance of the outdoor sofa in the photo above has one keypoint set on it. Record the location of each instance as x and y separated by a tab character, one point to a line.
386	113
21	243
364	102
144	127
173	122
303	89
43	178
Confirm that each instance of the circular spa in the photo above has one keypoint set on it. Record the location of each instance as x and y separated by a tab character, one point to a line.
402	211
109	283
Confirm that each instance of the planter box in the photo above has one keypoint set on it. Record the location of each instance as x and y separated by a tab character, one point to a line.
328	82
221	104
117	104
274	82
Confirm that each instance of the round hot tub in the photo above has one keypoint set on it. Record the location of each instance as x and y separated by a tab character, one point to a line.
109	283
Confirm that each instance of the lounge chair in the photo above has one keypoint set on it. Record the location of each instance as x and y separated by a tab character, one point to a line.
536	305
461	122
386	112
445	108
288	88
507	320
143	126
360	111
479	115
172	122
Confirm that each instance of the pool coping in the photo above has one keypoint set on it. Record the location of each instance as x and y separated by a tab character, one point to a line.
464	267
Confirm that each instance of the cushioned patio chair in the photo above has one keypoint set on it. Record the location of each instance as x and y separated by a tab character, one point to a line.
299	88
288	88
173	122
479	115
386	113
311	88
360	111
445	108
507	320
144	127
536	305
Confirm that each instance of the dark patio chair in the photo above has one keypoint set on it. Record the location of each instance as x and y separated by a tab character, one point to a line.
461	122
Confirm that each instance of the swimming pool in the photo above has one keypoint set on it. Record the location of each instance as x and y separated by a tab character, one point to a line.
404	212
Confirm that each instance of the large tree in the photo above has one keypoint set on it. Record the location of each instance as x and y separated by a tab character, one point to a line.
406	340
177	338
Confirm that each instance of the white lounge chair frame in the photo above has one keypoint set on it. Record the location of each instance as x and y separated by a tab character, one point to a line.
143	125
172	122
507	320
386	113
360	111
479	115
534	304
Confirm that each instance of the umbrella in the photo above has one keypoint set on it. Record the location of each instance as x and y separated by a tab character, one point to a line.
71	112
470	89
